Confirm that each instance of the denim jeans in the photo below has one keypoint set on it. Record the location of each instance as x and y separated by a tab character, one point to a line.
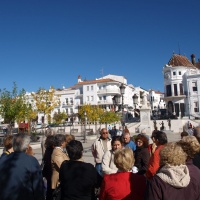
99	168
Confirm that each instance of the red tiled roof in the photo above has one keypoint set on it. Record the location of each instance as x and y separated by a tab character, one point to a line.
96	81
178	60
197	65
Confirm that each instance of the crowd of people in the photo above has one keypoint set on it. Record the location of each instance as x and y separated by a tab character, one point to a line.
135	168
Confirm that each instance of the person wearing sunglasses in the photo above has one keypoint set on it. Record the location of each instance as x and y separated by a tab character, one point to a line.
99	147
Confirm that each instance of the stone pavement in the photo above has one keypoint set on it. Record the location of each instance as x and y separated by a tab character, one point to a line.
87	154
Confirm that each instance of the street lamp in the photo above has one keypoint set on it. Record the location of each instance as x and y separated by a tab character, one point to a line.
85	120
135	101
122	91
116	99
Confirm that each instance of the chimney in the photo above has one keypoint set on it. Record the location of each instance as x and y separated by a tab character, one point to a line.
79	79
193	59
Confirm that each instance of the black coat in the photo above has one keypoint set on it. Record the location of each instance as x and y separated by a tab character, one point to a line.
142	157
77	180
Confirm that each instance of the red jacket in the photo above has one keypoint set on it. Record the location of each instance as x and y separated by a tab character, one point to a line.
123	185
154	163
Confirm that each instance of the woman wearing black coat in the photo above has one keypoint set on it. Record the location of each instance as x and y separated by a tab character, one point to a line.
142	155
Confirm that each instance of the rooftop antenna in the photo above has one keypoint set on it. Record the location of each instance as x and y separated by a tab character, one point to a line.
101	72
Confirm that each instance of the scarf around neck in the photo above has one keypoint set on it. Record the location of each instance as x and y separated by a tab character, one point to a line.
176	176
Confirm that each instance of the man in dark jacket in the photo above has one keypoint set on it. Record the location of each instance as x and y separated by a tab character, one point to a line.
20	174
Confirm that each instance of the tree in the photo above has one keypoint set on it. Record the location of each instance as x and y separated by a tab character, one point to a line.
11	105
108	117
96	113
45	101
59	117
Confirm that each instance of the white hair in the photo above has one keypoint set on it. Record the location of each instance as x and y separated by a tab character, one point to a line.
21	142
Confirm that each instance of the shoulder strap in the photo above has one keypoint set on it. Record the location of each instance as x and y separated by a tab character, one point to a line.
110	157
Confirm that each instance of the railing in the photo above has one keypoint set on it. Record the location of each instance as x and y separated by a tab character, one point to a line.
104	91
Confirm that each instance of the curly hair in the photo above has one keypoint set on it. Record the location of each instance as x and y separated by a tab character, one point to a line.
124	159
190	145
144	139
172	154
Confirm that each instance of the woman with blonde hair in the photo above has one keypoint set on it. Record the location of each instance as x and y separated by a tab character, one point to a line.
124	184
174	179
190	146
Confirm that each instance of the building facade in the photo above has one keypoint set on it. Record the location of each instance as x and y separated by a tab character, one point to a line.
182	86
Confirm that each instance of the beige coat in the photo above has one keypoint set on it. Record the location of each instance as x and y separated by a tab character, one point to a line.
108	165
57	157
98	149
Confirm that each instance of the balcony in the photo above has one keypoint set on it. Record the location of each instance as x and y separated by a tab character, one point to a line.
67	104
104	102
170	98
109	91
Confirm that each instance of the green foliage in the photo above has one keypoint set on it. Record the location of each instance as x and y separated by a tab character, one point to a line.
59	117
45	100
12	104
109	117
96	113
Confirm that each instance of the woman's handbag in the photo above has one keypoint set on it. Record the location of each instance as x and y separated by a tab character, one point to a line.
57	193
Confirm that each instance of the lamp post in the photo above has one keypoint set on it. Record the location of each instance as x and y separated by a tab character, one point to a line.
135	101
122	91
85	120
117	100
159	112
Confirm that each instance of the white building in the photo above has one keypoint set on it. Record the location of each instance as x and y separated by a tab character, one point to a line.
182	86
156	101
98	92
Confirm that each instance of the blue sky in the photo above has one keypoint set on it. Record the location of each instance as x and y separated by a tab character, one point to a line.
47	43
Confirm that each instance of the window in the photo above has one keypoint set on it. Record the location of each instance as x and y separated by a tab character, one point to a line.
66	100
174	73
194	86
179	73
92	98
71	101
175	90
71	110
168	90
181	88
87	88
88	98
104	97
100	98
92	87
196	107
67	111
